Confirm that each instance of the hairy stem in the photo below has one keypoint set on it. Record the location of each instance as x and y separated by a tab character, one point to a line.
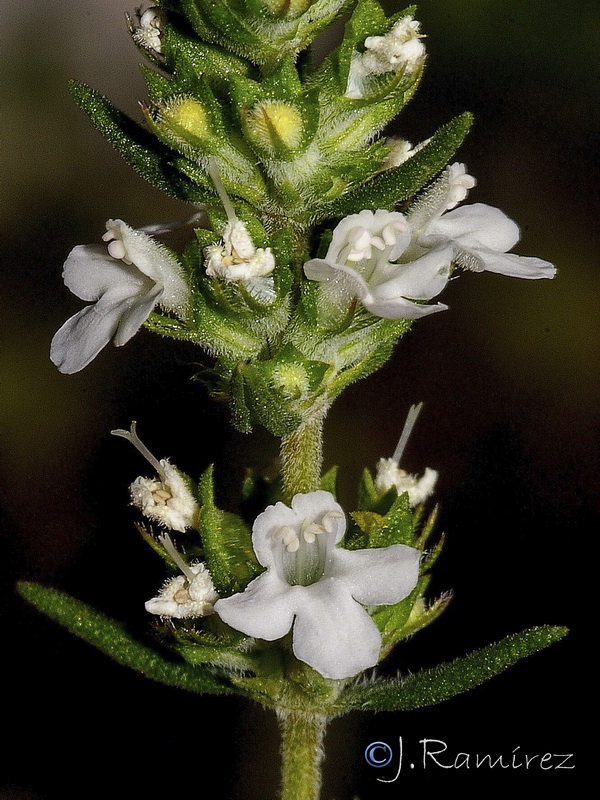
302	754
301	458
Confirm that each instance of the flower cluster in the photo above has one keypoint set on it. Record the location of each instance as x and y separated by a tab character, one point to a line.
167	499
390	475
290	320
400	50
393	263
191	594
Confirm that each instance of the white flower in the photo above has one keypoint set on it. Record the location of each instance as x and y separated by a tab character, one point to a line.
400	150
124	285
390	474
145	29
388	260
236	259
419	489
192	594
362	261
400	50
478	234
166	499
319	588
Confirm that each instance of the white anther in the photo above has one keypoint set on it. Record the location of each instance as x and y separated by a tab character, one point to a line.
378	242
329	520
388	235
359	255
116	249
359	237
312	531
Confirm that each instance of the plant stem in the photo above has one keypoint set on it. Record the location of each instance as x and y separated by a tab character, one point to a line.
302	753
301	457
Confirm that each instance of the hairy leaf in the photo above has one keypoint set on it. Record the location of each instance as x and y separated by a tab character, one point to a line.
112	638
394	185
138	147
440	683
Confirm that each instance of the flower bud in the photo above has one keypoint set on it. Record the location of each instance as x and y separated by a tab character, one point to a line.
183	123
287	8
275	125
291	380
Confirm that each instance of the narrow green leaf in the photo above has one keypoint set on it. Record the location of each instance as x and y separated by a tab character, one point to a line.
440	683
418	621
139	148
392	186
367	493
111	638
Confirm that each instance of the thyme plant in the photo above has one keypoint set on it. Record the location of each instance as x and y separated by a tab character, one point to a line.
315	242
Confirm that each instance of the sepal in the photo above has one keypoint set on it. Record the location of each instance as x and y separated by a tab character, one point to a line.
262	32
279	392
227	542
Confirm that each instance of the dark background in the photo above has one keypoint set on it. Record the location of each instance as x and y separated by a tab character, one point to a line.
508	376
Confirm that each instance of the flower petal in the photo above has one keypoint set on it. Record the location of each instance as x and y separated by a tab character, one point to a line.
333	633
515	266
82	336
421	279
135	316
90	271
314	505
265	525
265	610
158	263
379	576
478	225
400	308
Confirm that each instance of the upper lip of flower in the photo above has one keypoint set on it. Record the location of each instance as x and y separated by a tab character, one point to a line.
124	285
372	242
319	588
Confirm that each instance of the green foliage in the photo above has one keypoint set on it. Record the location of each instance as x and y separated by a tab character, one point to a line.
112	638
263	32
393	186
139	149
395	527
227	542
433	686
329	481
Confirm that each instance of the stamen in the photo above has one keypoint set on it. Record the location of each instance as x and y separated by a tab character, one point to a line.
167	543
132	437
311	532
359	237
288	537
411	418
359	255
213	171
328	521
116	249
